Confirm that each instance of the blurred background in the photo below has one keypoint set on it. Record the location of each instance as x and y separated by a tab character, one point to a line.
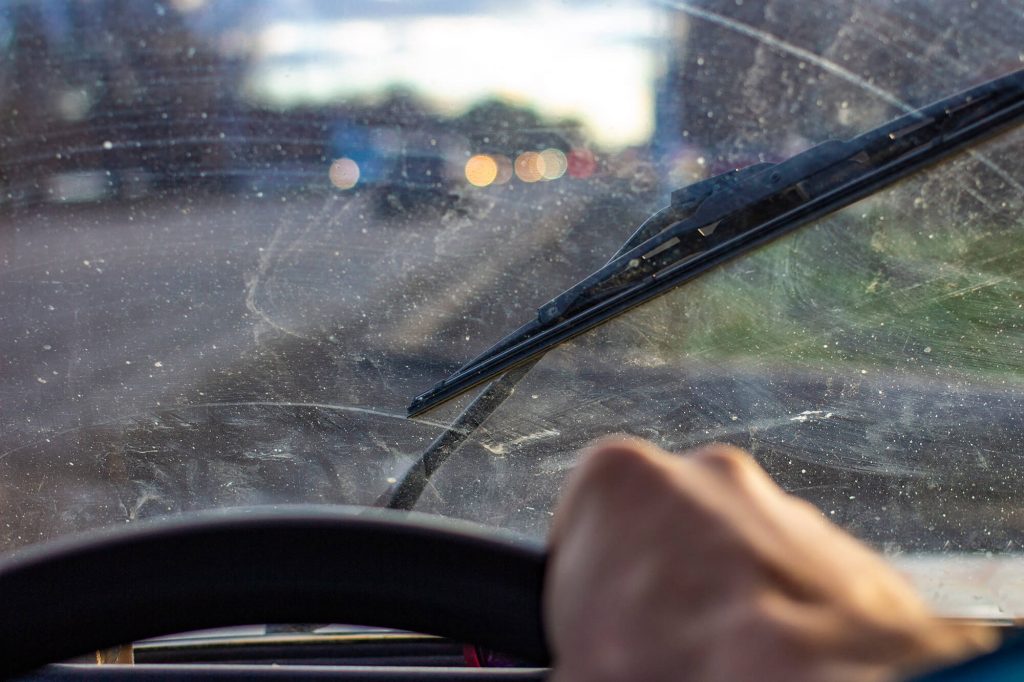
237	96
237	236
267	94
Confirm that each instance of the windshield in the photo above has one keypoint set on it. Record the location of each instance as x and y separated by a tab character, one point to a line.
237	237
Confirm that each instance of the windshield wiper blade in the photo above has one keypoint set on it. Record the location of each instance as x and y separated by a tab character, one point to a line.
720	218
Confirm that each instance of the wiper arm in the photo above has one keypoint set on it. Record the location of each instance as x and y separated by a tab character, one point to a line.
722	217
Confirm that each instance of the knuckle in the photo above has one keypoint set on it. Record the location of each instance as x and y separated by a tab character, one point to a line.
612	478
727	461
621	466
614	457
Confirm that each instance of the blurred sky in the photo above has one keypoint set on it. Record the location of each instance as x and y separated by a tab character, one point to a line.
595	61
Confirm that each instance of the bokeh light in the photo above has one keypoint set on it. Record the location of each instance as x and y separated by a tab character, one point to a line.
581	163
481	170
555	164
505	171
530	167
344	173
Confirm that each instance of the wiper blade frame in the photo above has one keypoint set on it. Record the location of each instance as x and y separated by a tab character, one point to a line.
719	218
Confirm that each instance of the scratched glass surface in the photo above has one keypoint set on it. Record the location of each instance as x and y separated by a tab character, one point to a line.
873	363
236	237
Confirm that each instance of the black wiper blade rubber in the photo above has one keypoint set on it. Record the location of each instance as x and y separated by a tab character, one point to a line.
717	219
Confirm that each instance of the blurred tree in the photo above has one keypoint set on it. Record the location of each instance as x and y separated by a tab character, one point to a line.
26	100
165	90
499	126
125	86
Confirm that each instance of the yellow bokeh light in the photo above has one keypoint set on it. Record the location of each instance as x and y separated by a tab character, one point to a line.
530	166
481	170
554	163
344	173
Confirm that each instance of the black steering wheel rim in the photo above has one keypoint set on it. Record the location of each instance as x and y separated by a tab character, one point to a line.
272	565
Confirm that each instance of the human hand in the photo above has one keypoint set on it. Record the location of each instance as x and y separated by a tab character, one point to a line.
667	567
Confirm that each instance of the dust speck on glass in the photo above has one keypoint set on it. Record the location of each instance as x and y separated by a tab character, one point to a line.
237	236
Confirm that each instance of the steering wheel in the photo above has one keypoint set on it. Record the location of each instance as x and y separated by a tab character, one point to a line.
271	565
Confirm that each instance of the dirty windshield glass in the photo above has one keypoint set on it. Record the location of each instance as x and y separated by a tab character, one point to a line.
236	237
